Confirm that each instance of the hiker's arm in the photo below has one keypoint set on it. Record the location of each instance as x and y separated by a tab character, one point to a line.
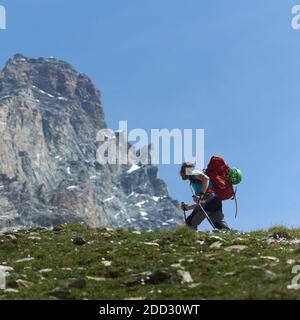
204	180
187	207
191	207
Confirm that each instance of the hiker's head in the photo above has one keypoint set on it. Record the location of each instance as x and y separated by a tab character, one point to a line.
186	170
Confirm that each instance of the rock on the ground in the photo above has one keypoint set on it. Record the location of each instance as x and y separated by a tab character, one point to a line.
78	241
185	276
236	248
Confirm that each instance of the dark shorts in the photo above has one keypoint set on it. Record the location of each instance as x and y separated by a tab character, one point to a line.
213	207
212	203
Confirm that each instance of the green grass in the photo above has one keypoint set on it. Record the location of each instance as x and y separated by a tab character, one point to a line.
146	265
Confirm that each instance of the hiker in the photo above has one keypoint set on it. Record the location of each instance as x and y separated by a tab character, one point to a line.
203	194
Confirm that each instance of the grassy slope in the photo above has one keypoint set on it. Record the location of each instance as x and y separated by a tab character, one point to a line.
147	265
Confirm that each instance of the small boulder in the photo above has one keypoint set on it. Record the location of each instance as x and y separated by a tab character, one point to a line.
106	263
185	276
270	274
216	245
78	284
78	241
6	268
291	261
10	290
12	238
23	283
25	260
159	276
58	228
236	248
270	258
97	279
45	270
62	294
281	235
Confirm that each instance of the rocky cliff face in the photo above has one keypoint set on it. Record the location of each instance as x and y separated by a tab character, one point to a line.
49	119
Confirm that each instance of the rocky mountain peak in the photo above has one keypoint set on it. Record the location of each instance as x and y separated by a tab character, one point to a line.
48	74
54	77
49	118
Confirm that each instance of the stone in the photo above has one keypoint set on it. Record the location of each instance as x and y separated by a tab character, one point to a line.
185	276
62	294
151	244
177	266
216	245
229	274
6	268
236	248
106	263
25	260
216	238
270	258
295	241
11	290
23	283
45	270
96	278
271	241
294	286
58	228
159	276
270	274
78	284
281	235
34	238
78	241
12	238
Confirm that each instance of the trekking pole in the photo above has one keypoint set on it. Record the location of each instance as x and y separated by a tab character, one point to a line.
206	214
201	207
184	212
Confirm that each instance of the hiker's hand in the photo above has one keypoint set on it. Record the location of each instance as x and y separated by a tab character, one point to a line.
197	199
184	206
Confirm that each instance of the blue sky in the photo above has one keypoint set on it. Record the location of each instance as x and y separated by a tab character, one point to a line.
228	66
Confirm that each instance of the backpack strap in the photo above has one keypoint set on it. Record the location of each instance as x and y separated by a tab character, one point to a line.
193	191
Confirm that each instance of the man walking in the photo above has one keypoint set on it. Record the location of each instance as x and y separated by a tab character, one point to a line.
203	194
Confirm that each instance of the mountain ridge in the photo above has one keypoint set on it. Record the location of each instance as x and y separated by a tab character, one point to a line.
49	118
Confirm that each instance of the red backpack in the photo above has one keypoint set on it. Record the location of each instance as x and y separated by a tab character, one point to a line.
218	172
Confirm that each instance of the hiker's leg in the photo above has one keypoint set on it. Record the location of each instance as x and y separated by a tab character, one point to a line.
195	218
212	203
218	220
